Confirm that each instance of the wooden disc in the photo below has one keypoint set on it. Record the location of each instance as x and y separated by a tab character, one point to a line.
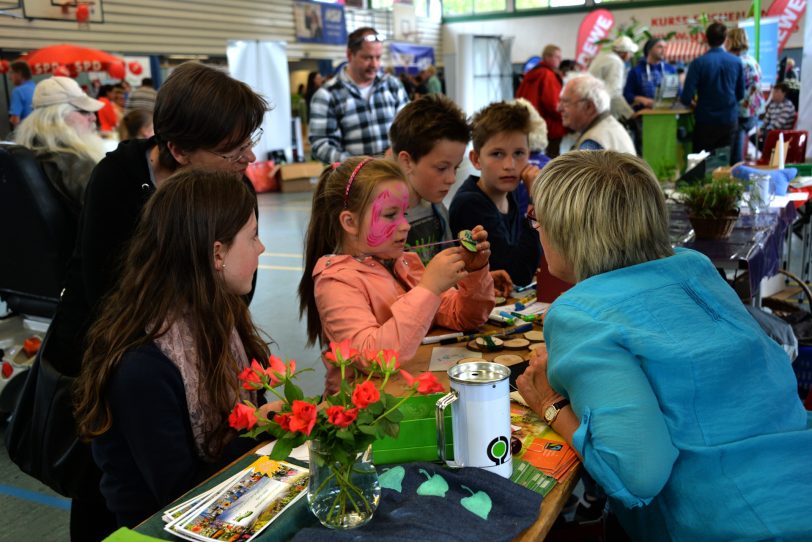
467	240
500	300
517	344
472	345
508	359
470	360
534	336
497	342
536	345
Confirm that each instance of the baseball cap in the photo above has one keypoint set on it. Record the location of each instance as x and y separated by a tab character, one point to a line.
624	44
63	90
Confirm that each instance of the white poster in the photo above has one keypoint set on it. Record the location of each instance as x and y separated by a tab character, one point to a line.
263	65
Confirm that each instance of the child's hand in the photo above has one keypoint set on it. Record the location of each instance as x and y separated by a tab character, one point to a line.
502	283
444	270
528	175
474	261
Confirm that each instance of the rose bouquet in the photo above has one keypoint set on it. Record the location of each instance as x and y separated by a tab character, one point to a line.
343	491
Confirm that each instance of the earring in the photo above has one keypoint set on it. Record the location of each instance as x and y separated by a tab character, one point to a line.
223	267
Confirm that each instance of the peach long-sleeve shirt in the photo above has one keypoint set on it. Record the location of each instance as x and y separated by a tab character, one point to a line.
363	302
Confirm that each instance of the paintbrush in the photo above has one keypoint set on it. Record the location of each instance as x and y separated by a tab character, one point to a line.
449	242
504	333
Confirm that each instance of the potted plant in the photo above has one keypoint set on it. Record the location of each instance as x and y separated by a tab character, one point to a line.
713	206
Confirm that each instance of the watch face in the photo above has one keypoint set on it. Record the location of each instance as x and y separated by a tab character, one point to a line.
549	413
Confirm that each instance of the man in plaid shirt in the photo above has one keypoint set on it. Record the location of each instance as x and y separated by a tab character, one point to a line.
351	113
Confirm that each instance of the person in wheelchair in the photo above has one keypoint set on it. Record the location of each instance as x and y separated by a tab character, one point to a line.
61	130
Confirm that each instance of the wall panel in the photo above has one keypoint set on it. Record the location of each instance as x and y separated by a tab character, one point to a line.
198	28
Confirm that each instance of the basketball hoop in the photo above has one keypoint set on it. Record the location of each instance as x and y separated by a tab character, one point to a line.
83	11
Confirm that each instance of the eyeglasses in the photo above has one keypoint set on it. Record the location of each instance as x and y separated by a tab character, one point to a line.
531	218
84	113
372	38
240	153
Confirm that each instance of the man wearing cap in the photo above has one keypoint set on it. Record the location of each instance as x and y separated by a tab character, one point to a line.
20	105
645	77
610	67
351	113
61	130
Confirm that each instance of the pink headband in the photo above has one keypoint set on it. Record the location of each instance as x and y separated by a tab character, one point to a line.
352	178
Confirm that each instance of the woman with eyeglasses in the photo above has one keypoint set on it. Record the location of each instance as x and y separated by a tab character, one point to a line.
203	119
61	130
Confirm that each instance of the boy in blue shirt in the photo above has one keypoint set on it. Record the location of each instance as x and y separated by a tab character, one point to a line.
23	93
501	151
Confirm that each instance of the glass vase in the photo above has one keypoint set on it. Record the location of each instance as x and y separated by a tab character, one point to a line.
342	495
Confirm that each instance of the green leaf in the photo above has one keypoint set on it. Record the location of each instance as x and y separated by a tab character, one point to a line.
376	409
367	429
282	449
293	392
346	435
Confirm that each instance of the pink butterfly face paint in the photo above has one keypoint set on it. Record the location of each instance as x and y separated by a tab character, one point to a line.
387	213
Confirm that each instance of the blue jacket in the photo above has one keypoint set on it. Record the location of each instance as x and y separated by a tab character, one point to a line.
689	414
21	98
644	82
717	78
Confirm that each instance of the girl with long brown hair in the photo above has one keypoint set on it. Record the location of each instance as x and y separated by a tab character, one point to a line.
159	375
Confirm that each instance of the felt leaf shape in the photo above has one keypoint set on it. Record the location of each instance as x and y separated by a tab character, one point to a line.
467	240
478	503
392	479
435	485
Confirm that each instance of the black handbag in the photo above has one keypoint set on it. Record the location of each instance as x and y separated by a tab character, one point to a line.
41	435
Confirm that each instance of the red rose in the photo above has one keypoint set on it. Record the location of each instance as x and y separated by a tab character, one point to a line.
303	416
365	394
283	420
242	417
250	376
277	369
390	360
341	417
340	352
426	382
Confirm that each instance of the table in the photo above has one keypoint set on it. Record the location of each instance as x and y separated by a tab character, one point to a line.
553	503
662	148
298	516
759	251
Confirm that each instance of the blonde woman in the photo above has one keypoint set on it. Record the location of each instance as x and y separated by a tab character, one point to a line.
61	130
679	405
753	103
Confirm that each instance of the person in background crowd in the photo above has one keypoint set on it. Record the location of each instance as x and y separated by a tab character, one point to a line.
610	67
541	87
314	82
23	93
159	379
753	103
568	68
143	98
61	130
537	142
584	109
189	133
648	342
717	80
108	114
780	113
351	113
137	124
644	79
431	81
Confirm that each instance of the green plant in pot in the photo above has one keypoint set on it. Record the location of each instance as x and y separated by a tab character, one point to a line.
713	207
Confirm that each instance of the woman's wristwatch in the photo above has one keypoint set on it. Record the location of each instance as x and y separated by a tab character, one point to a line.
551	412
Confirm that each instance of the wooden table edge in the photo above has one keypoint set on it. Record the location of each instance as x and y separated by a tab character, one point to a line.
551	506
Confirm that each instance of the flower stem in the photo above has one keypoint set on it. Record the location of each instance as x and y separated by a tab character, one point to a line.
394	408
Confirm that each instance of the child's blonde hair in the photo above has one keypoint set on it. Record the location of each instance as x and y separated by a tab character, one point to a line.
347	186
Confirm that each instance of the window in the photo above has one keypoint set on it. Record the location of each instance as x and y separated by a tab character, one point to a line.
470	7
539	4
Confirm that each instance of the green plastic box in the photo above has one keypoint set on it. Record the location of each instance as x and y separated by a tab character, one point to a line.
804	170
417	440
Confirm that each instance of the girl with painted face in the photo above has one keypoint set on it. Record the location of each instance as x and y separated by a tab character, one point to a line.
360	285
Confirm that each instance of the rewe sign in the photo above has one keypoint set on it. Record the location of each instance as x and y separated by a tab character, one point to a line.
789	12
594	27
